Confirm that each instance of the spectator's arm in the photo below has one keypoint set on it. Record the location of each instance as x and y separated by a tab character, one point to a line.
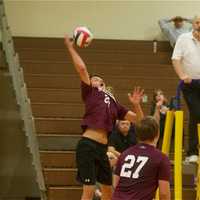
164	190
164	22
167	30
157	111
189	20
178	68
152	110
77	60
178	54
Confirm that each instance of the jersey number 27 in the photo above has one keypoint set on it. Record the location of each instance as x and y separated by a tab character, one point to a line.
128	166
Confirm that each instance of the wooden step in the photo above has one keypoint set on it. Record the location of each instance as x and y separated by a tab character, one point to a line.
122	83
67	176
60	177
188	180
58	159
66	159
62	193
103	44
94	57
58	142
69	110
58	125
88	51
46	95
36	67
187	168
58	110
189	193
64	97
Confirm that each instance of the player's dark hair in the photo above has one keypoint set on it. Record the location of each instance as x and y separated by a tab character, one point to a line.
95	75
147	129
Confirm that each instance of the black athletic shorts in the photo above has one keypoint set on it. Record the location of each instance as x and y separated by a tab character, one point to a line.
92	163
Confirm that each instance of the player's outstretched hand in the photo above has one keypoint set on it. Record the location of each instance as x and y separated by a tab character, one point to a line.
136	96
68	41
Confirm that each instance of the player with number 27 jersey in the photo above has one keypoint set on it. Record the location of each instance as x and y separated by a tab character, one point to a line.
140	168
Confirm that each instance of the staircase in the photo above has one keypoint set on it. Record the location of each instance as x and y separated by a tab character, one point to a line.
54	90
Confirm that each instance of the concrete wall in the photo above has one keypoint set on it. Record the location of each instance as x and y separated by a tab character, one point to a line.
17	174
107	19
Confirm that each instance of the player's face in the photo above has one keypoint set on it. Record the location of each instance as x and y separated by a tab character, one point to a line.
124	126
196	24
98	82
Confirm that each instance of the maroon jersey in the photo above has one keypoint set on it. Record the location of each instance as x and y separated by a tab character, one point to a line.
140	168
101	110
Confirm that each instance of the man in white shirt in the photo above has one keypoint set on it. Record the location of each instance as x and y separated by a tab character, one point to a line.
174	27
186	61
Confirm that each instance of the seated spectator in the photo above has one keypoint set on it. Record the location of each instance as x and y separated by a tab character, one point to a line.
174	27
159	97
121	138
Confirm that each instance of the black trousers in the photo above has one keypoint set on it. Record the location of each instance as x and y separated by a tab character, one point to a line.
191	93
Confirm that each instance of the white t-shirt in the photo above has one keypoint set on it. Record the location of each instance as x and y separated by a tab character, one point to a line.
187	49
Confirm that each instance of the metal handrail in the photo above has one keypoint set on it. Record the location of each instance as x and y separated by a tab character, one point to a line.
23	101
31	135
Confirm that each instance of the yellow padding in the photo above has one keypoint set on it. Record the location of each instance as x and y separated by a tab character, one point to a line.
178	155
167	137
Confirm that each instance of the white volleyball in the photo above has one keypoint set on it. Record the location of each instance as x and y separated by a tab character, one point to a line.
82	36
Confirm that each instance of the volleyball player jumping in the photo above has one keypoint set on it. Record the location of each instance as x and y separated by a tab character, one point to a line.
101	112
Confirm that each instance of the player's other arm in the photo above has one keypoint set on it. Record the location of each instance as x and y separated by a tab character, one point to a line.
164	190
135	99
77	61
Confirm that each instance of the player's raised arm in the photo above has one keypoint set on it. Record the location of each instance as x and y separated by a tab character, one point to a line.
77	61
